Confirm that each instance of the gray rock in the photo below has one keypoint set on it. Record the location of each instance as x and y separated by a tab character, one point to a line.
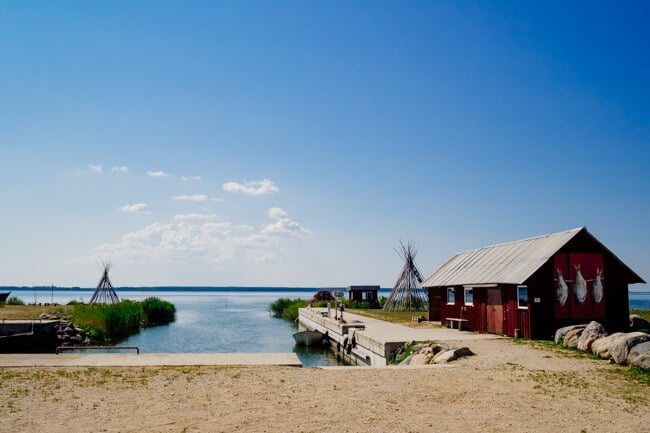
420	359
571	338
621	345
443	357
437	348
591	333
638	323
407	360
639	355
561	333
451	355
601	347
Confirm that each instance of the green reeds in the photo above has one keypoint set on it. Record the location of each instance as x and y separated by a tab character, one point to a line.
157	311
287	308
114	322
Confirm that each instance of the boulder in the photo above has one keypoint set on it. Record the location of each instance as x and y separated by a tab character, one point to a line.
639	356
591	333
446	356
571	338
437	348
420	359
638	323
621	345
601	347
451	355
407	360
561	333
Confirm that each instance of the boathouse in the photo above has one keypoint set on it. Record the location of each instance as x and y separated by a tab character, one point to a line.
364	294
531	287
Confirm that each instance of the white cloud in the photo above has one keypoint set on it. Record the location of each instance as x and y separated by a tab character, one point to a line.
134	208
194	178
283	225
277	213
194	238
262	187
95	168
195	216
157	173
175	241
193	197
122	169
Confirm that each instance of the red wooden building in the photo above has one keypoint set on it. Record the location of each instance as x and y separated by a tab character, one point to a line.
531	287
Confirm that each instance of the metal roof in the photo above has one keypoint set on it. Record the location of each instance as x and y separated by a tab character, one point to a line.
509	263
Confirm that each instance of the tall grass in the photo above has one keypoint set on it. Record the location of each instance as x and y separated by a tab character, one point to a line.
108	321
117	321
287	308
157	312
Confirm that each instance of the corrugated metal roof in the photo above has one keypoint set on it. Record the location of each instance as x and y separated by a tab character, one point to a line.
509	263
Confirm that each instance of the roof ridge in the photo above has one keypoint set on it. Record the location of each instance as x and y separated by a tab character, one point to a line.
576	230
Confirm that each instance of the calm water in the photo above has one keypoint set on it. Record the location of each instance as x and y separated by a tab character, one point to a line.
640	300
223	320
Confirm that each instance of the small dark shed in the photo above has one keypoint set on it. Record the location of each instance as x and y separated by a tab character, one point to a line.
363	294
531	287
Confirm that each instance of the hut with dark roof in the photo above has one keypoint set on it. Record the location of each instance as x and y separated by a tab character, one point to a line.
529	288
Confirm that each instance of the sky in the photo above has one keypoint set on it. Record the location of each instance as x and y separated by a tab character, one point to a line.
295	144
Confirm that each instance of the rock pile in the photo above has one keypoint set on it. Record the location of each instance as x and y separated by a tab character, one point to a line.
430	353
625	348
69	335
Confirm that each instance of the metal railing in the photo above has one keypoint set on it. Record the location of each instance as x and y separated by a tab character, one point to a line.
65	348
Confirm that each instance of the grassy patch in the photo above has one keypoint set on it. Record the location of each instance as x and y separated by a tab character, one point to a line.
32	312
403	317
551	346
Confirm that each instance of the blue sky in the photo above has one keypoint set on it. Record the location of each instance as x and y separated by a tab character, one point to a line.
296	143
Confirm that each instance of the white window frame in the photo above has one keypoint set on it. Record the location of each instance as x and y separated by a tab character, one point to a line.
465	292
453	291
519	306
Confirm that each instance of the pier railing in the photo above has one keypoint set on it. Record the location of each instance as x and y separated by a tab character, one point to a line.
66	348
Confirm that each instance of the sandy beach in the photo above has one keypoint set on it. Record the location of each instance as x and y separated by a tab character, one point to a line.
505	387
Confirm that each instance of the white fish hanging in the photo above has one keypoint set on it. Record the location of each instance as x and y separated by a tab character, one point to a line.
580	286
597	289
561	290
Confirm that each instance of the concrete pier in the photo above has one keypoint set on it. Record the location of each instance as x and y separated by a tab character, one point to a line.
28	335
365	341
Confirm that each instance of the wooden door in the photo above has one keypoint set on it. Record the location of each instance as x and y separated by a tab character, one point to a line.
494	311
435	298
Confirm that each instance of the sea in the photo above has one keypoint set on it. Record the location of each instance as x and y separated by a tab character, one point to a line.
222	319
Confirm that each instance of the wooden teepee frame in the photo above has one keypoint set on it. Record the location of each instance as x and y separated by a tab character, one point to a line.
104	293
406	294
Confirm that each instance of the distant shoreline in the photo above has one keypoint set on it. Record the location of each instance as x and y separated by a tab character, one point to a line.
181	288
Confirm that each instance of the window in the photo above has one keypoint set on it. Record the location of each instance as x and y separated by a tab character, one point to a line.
469	296
451	295
522	297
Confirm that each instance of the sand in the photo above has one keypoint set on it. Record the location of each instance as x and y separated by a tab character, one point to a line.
505	387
